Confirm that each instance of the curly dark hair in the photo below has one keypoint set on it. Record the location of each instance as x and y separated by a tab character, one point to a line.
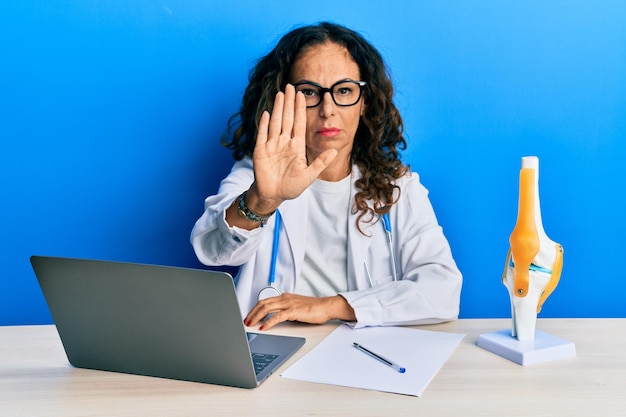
379	136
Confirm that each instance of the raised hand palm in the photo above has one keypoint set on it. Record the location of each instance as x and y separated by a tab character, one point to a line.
281	169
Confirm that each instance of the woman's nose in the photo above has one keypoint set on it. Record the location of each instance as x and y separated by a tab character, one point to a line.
328	106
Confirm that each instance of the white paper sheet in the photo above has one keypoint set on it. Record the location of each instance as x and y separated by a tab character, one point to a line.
336	361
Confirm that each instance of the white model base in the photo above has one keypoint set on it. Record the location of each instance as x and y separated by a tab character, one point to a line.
544	348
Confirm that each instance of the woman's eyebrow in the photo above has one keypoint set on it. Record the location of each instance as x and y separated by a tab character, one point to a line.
318	84
306	81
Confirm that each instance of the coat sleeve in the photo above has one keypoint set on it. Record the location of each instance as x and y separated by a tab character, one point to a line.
213	240
429	287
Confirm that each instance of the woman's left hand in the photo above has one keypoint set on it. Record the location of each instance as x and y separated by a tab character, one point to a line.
292	307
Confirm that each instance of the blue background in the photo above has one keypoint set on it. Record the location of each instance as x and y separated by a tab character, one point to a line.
111	113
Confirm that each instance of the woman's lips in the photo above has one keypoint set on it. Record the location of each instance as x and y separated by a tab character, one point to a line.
329	131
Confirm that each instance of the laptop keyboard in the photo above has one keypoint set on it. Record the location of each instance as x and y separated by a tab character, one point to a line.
261	360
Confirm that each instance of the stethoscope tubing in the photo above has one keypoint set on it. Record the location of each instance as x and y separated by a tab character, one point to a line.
277	222
387	225
270	290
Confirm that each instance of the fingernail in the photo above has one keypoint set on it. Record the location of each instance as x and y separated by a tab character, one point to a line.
262	326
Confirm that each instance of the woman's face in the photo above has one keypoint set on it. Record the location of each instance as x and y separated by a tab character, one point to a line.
329	125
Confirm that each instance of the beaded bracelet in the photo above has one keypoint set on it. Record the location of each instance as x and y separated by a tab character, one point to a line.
246	213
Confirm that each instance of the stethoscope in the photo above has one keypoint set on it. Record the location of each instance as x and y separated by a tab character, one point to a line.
272	291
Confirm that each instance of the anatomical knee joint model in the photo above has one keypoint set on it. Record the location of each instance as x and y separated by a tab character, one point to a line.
534	262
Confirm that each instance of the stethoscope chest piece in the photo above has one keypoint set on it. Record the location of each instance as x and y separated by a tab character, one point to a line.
268	292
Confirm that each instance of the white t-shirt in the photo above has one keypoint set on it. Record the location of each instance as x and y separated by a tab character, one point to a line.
325	269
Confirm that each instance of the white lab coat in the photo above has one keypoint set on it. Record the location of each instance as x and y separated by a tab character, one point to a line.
429	285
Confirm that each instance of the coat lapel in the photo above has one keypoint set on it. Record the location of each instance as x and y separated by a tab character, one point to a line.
358	243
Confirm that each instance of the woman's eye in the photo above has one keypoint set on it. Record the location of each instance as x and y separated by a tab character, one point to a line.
308	92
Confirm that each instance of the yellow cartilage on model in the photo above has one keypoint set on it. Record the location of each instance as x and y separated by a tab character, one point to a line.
534	261
554	278
524	239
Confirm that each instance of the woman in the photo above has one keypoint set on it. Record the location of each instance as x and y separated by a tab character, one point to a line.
317	151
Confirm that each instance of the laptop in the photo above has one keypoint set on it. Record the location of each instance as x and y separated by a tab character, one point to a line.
159	321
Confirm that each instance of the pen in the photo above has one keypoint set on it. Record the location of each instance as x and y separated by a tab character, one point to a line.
380	358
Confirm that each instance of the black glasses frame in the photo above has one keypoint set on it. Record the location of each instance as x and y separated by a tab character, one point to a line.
330	89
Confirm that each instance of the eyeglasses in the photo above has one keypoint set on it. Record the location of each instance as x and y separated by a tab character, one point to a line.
344	93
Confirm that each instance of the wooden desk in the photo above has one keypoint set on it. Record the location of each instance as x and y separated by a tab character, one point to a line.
37	380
